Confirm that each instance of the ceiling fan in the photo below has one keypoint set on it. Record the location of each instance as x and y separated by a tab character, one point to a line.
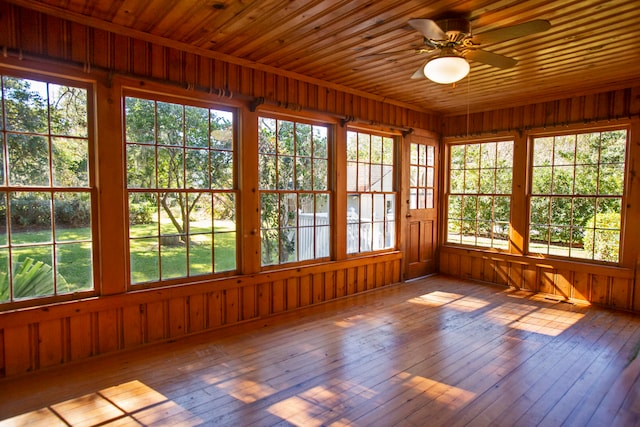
454	44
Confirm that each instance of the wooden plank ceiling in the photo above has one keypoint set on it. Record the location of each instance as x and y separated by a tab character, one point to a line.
592	44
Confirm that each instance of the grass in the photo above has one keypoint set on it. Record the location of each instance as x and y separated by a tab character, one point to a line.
208	251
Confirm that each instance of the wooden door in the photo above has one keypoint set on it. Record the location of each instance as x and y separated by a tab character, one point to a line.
421	217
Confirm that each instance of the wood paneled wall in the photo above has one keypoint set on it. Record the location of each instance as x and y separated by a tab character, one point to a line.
31	33
613	286
36	338
604	107
119	318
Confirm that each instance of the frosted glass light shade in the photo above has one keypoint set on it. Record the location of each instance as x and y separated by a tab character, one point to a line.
446	69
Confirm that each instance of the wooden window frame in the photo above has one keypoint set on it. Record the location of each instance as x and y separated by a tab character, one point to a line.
361	191
472	191
51	190
185	190
572	196
316	243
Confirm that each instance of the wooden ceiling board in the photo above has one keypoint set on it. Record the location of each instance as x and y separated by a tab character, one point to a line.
592	44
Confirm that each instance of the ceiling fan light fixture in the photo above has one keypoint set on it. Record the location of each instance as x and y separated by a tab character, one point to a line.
446	68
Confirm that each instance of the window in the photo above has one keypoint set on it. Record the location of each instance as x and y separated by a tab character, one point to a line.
181	189
422	169
576	195
371	200
45	190
479	197
294	191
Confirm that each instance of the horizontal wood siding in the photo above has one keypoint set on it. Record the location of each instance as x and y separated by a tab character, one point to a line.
608	286
35	338
599	107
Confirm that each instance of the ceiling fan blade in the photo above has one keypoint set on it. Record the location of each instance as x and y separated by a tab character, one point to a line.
489	58
419	74
510	33
428	28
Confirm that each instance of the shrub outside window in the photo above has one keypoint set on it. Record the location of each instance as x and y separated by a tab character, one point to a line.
294	191
371	200
45	190
479	197
181	190
577	188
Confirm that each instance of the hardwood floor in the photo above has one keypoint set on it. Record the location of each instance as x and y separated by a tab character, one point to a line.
437	351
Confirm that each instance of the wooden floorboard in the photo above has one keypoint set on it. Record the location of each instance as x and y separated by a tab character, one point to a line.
437	351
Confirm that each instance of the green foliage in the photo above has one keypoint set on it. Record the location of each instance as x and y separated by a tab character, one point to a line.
602	238
31	279
141	213
34	210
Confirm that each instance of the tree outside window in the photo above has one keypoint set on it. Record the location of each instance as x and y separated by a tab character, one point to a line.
181	188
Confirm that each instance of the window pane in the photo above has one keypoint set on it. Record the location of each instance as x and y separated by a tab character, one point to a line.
286	140
68	110
197	169
303	139
267	172
3	218
30	218
5	288
170	124
221	130
144	260
74	261
28	160
72	212
141	166
320	174
33	272
197	126
303	173
25	105
170	167
222	170
320	142
266	135
70	162
285	173
140	121
225	251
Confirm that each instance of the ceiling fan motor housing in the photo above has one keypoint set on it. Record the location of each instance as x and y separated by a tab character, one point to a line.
456	29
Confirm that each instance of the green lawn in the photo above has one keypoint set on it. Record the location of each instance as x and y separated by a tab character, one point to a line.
208	251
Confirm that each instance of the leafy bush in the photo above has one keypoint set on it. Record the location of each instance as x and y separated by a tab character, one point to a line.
141	213
28	212
31	278
604	244
72	213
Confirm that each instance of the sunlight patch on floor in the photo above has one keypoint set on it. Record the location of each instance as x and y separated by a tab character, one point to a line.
129	403
436	298
247	391
547	321
450	396
456	301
